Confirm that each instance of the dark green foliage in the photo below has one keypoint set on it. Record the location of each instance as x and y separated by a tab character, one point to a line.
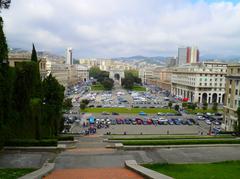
215	107
3	45
29	108
11	173
102	77
205	106
67	104
85	101
170	104
31	142
82	106
192	106
176	107
53	95
237	123
131	77
34	54
181	142
4	4
184	104
5	83
108	84
94	72
65	138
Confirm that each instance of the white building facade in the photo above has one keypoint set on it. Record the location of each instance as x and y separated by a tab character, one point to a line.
200	82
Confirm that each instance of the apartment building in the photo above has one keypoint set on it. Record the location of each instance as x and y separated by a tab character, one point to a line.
232	98
200	82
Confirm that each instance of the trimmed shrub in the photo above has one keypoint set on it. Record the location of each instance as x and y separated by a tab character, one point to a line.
182	142
30	142
65	138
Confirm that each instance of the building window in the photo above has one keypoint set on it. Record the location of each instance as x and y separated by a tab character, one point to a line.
231	70
238	70
229	90
205	84
230	82
236	92
200	84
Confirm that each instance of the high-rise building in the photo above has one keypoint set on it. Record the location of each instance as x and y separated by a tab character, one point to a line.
187	55
69	60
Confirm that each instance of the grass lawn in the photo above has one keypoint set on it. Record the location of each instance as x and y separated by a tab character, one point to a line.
97	87
202	111
165	137
14	172
180	141
220	170
127	110
138	88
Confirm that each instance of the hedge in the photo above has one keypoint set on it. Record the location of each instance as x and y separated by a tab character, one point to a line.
65	138
182	142
31	142
170	138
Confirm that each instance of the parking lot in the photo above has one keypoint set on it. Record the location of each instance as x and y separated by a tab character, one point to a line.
135	123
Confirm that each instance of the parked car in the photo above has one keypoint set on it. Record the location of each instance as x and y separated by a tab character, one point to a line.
208	122
105	113
170	121
143	114
149	121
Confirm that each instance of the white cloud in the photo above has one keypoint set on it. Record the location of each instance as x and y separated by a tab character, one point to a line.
106	28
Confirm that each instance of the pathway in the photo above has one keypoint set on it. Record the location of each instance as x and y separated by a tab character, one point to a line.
92	160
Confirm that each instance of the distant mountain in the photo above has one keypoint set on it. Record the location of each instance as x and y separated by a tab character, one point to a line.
158	60
225	58
41	54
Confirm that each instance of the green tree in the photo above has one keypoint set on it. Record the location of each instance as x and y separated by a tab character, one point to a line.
205	106
133	73
3	46
176	107
128	83
34	54
53	95
108	84
170	104
67	103
215	107
36	115
94	72
82	106
5	80
237	123
85	101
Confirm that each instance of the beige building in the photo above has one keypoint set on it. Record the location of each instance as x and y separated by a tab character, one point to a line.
232	97
145	74
26	57
200	82
159	76
82	72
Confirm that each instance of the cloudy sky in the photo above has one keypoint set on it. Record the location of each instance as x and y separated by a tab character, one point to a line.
113	28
